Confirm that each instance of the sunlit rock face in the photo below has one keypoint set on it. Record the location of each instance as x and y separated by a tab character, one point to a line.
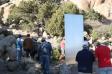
6	6
87	4
104	7
7	11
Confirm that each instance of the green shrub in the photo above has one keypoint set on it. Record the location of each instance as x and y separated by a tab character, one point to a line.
31	11
26	11
95	35
28	26
56	54
92	15
105	29
55	25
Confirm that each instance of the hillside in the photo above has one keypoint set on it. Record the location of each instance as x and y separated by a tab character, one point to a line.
47	16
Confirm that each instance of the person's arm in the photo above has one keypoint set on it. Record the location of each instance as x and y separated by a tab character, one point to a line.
77	57
24	43
93	57
50	48
96	56
110	54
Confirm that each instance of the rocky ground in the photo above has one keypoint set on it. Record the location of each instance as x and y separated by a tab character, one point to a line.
28	66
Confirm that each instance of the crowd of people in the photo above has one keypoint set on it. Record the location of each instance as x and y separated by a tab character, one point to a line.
101	54
98	53
31	48
85	58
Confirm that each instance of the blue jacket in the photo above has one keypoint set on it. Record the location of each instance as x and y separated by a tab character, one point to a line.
19	43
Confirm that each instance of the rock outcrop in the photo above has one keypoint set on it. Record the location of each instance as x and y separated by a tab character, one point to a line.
8	48
104	7
5	9
7	45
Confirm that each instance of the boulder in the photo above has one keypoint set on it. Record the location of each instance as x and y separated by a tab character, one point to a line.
55	70
2	65
2	36
87	4
104	7
7	48
8	41
11	51
12	65
27	60
30	66
5	32
33	70
82	4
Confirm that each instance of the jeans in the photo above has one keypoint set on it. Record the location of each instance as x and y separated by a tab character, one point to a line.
106	70
45	63
18	55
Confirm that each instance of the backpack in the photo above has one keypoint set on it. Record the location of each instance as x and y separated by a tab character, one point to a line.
44	48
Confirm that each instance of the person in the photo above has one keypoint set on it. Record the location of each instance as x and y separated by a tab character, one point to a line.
45	54
62	45
28	46
86	42
19	46
85	59
103	57
35	48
